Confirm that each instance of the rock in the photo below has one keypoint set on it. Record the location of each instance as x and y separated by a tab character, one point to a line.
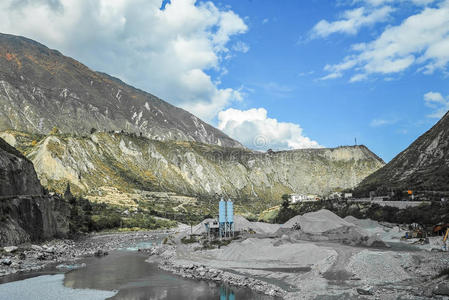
22	256
366	290
6	262
442	289
71	267
100	252
41	256
10	249
36	248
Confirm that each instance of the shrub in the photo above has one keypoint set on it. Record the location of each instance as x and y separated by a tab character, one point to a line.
189	240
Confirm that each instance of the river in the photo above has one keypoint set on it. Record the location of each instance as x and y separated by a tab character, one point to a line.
122	274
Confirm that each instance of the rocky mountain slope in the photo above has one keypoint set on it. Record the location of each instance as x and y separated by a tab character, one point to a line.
26	213
94	163
41	89
17	175
424	165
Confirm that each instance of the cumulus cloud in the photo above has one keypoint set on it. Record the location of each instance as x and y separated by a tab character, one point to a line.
257	131
421	40
439	104
169	51
352	20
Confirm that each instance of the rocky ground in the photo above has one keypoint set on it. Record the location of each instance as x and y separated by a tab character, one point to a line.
321	260
328	258
33	257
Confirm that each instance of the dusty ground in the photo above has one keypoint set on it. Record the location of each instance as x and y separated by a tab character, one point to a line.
324	266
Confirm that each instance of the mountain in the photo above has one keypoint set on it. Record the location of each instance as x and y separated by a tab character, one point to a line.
17	175
41	89
128	163
424	165
26	212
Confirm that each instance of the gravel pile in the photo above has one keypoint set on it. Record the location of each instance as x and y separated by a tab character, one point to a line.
318	222
377	267
324	225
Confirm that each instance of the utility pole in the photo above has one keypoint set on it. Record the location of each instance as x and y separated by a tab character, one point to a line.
355	139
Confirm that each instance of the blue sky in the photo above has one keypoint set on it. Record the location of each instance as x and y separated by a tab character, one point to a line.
283	68
272	74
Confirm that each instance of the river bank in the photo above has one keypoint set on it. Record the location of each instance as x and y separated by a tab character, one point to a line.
33	257
310	257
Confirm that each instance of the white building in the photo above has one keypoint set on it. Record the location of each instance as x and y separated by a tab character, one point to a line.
295	198
348	195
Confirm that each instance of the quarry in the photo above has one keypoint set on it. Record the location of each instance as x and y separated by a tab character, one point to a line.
312	256
109	192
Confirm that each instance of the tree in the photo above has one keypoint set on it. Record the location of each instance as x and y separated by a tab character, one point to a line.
286	201
54	131
68	196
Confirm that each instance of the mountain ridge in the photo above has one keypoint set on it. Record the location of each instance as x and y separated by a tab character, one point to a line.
40	89
423	165
129	162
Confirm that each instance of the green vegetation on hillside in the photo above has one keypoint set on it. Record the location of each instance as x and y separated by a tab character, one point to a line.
425	214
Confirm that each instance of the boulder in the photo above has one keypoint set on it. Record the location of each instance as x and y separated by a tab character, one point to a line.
10	249
441	289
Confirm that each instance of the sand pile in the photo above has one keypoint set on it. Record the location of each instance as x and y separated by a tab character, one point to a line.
318	222
263	250
201	228
265	228
325	225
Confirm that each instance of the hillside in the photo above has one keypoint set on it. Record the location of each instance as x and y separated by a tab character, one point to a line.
424	165
95	163
26	213
40	89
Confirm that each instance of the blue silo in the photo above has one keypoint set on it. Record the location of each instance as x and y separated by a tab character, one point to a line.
222	212
230	212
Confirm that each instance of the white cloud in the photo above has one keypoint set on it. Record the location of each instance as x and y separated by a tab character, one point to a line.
352	21
439	104
382	2
240	47
421	40
257	131
382	122
167	52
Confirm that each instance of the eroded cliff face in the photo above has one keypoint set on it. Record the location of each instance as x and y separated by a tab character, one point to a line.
128	162
26	213
17	175
32	218
424	165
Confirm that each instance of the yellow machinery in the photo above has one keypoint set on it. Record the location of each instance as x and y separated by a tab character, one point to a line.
445	236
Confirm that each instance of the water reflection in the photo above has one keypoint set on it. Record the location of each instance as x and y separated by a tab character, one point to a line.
226	293
135	279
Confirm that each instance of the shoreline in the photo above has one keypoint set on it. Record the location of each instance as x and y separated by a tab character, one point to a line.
202	272
28	258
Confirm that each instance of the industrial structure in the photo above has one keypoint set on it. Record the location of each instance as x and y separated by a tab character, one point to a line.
225	225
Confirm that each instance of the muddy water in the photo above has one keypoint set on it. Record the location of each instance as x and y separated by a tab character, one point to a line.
122	274
133	278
